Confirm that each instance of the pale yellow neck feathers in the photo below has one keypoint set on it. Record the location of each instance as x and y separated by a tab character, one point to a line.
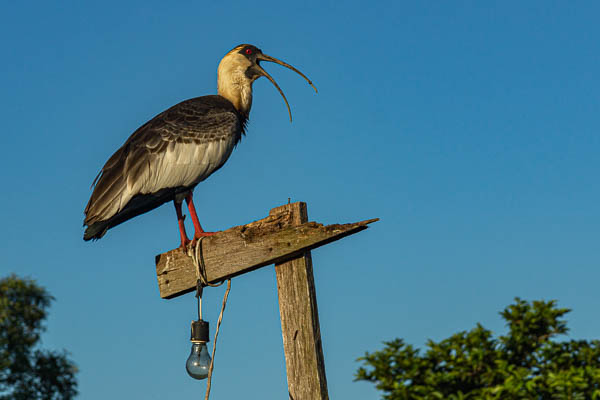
233	84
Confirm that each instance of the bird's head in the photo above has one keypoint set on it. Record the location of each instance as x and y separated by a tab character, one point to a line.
240	68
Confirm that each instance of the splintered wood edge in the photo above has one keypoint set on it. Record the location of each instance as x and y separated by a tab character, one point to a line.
254	233
349	229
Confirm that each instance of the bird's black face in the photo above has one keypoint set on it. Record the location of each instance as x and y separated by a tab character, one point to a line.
254	71
251	53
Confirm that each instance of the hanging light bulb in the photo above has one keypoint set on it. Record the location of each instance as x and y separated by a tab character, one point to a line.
198	362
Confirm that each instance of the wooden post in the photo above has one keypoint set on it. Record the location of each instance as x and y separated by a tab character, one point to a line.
300	320
284	238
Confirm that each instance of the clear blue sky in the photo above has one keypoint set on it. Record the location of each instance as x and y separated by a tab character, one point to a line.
471	130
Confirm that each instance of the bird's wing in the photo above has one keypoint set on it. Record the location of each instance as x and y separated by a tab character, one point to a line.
178	148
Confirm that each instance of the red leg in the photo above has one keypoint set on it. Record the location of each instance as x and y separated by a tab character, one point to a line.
199	232
180	219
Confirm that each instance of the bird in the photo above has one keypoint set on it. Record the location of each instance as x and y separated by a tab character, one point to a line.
165	158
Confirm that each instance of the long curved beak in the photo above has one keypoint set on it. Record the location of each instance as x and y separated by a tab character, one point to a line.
264	57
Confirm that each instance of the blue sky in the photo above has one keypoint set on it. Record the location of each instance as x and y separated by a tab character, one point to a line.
469	128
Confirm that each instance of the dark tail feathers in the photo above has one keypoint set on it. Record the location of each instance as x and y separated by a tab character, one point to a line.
138	205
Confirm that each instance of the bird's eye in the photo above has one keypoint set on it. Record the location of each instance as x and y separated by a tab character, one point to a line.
248	51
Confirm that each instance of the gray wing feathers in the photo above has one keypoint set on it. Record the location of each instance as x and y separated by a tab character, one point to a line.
179	147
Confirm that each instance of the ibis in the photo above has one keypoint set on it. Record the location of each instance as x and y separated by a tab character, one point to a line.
165	158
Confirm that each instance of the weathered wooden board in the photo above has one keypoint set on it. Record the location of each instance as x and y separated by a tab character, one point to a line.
300	320
240	249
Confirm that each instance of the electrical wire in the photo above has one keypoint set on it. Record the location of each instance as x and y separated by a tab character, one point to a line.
212	360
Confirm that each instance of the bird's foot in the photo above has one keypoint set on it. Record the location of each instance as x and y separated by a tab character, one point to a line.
199	235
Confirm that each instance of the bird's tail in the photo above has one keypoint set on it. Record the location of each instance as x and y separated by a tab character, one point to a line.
96	230
137	205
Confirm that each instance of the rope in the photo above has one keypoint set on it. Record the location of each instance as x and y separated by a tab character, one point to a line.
198	258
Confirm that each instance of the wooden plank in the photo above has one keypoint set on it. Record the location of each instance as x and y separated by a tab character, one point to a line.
244	248
300	320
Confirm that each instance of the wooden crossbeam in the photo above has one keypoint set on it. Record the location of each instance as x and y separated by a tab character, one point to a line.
244	248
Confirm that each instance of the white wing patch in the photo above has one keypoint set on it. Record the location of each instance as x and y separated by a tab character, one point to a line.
181	164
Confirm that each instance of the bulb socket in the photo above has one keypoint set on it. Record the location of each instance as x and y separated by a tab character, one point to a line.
199	332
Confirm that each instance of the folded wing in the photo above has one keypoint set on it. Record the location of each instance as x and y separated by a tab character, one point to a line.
168	155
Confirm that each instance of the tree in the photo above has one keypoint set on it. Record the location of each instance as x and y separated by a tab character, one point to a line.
526	363
27	372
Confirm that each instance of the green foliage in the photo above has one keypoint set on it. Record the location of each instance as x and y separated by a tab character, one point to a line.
27	373
526	363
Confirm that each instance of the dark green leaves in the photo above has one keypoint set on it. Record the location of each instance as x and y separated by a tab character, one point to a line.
28	373
526	363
